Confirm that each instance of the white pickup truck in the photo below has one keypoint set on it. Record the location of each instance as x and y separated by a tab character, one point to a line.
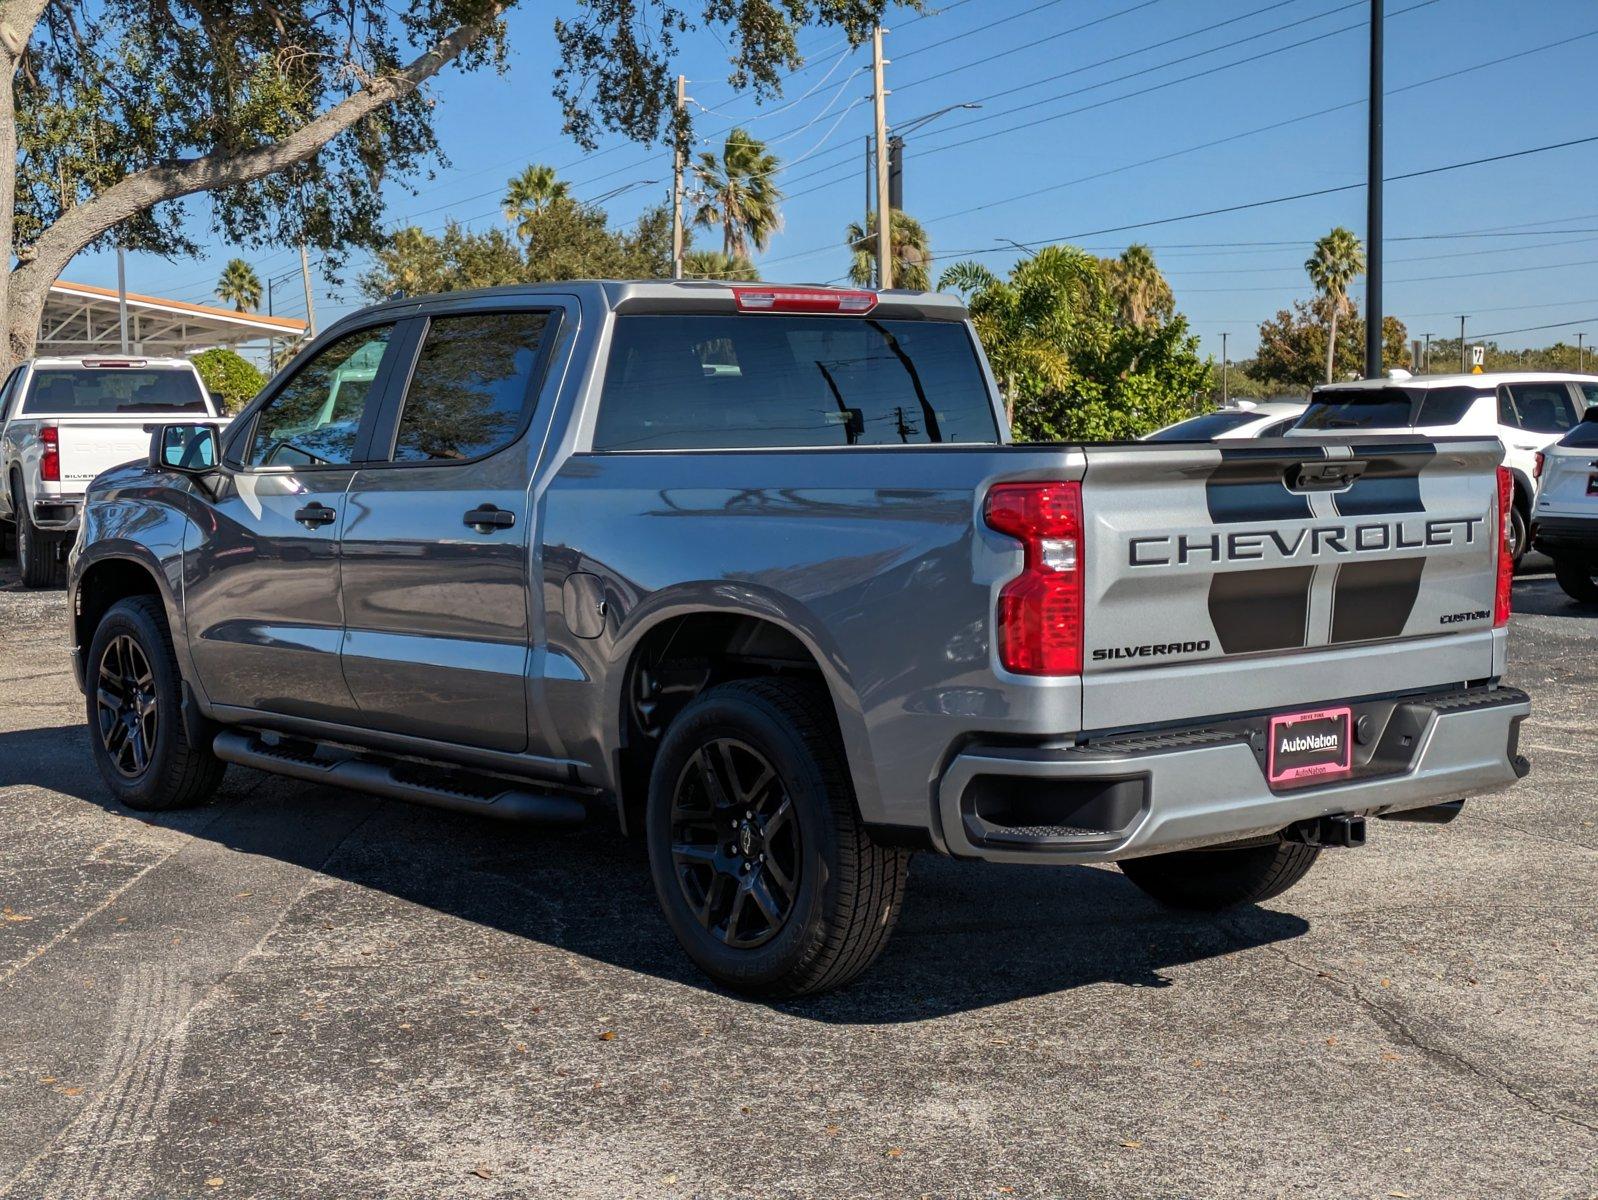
65	420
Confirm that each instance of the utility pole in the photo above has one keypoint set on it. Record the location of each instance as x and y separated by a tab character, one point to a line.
1373	206
865	226
1226	394
310	309
122	297
884	218
678	161
1426	359
1461	345
1581	355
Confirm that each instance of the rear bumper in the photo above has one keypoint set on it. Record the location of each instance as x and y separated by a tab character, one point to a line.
1127	796
1555	536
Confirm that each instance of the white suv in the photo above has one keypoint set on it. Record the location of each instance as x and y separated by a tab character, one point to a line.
1527	412
1565	522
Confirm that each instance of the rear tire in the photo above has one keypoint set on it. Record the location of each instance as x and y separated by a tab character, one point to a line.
761	863
135	695
1210	880
1579	579
1519	535
37	560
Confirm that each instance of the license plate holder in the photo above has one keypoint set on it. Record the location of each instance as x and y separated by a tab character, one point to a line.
1309	746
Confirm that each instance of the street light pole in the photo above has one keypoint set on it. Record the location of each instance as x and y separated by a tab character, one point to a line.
1373	205
884	219
1225	389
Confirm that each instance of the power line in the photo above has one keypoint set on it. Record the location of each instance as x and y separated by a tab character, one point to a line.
1327	191
935	149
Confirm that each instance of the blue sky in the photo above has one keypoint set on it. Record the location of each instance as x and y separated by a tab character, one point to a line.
1085	165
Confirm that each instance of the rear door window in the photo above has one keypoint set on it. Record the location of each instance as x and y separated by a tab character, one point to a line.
1544	407
704	381
1331	409
471	387
1447	405
113	391
1202	428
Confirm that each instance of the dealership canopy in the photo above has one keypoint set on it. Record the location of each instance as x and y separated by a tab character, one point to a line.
80	318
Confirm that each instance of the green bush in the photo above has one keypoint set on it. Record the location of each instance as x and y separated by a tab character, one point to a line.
230	378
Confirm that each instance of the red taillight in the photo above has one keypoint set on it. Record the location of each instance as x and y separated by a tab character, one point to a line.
803	300
1040	610
50	458
1537	467
1506	561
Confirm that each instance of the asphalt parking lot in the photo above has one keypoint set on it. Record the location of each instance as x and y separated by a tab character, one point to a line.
298	992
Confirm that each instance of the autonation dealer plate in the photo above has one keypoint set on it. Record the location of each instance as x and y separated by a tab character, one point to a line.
1310	745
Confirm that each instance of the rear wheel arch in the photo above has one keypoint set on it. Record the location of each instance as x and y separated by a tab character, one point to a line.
678	657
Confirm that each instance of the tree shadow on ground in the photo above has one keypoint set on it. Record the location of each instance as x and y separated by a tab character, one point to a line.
971	935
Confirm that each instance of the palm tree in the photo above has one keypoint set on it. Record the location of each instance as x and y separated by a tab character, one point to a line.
1140	289
736	192
1338	259
713	264
1031	323
907	238
527	194
239	286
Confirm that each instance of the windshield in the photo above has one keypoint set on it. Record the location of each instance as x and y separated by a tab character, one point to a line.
113	391
1203	428
702	381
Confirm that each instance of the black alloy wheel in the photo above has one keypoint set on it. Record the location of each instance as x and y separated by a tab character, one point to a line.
735	844
151	755
764	870
125	706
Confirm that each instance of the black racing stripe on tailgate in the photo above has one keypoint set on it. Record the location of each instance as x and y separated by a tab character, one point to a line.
1373	600
1250	484
1390	483
1261	610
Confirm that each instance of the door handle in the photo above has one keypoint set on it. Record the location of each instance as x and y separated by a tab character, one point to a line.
315	514
486	517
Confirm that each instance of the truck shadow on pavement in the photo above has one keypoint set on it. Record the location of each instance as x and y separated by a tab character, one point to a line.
971	935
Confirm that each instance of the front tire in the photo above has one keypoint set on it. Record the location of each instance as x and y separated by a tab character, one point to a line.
763	868
37	560
1578	579
1210	880
135	695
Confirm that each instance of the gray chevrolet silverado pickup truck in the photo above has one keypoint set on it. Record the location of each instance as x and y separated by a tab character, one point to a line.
758	569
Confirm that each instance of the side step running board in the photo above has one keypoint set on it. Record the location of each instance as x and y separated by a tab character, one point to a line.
460	790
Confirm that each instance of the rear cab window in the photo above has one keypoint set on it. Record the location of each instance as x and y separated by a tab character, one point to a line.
701	381
113	391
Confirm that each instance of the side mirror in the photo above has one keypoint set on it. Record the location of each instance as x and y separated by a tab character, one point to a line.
188	449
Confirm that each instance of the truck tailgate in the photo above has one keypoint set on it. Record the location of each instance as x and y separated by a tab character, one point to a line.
1230	579
90	447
